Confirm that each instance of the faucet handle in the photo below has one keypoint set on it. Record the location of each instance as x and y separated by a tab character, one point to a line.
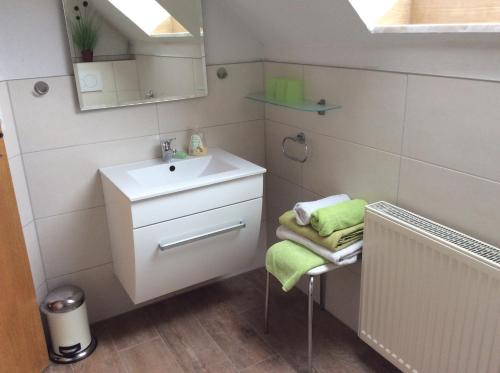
167	143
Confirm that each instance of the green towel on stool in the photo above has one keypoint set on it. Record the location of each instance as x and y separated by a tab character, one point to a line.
288	262
334	242
337	217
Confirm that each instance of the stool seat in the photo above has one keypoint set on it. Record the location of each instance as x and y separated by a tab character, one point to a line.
322	269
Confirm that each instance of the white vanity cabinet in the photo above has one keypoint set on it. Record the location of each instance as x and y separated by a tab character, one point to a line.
172	241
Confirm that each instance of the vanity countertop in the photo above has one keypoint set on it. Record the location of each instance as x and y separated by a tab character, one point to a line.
154	178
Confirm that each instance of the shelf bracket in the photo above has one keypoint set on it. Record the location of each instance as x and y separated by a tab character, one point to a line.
323	103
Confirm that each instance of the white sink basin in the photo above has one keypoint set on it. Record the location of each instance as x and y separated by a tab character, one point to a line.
155	178
173	225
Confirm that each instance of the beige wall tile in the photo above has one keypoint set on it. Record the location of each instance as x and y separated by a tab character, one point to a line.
286	70
21	190
33	249
126	77
7	122
246	140
225	103
463	202
41	292
67	179
277	163
55	120
373	105
454	123
105	296
341	167
281	196
74	241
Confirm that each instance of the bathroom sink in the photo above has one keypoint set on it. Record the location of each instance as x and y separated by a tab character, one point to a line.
153	178
174	225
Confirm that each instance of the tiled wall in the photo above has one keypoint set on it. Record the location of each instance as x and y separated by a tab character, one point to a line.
429	144
21	190
63	149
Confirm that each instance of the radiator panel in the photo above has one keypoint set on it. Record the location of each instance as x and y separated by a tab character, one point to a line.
428	305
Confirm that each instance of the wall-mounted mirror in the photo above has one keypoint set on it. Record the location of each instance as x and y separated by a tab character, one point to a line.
128	52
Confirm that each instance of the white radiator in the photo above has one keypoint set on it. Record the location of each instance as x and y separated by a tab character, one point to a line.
430	296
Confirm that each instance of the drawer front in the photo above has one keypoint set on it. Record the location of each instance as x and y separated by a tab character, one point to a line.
192	201
179	253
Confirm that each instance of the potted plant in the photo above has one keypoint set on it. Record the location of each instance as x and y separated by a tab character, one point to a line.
84	30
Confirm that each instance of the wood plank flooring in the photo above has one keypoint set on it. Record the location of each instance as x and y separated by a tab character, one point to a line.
219	329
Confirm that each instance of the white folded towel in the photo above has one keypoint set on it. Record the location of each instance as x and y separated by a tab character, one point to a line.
347	255
304	210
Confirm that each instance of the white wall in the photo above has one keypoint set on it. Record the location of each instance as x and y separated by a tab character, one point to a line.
22	194
33	41
429	144
329	32
60	148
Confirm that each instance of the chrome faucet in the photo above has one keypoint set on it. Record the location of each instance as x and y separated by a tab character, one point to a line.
167	151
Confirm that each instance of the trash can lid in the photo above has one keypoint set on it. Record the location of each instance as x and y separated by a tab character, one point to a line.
63	299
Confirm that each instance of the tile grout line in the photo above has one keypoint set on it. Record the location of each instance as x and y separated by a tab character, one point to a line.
28	188
334	137
135	137
402	139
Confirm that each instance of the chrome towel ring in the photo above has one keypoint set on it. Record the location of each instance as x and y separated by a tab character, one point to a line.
300	138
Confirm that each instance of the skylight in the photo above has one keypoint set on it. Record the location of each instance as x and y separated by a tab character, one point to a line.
429	15
148	15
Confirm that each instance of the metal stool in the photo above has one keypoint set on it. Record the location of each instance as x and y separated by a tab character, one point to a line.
320	271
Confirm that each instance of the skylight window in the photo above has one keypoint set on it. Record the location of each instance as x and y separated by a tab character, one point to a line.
148	15
429	15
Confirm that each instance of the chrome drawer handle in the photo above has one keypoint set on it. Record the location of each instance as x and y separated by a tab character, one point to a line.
170	245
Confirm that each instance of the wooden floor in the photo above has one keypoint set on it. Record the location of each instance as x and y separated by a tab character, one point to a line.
219	328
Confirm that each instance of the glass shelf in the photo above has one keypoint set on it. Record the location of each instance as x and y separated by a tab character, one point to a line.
309	106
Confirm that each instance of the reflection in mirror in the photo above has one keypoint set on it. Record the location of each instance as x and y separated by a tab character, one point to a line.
128	52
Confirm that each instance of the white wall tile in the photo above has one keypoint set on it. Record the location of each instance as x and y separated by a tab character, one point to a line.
33	250
281	196
67	179
41	292
246	140
454	123
463	202
105	296
126	77
341	167
21	190
55	120
373	105
74	241
7	122
276	162
224	104
286	70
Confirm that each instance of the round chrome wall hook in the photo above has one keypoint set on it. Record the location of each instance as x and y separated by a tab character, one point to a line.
222	73
41	88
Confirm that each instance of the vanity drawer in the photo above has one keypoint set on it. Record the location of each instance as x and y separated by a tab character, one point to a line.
196	248
192	201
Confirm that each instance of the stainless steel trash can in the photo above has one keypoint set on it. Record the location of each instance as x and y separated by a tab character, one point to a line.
70	336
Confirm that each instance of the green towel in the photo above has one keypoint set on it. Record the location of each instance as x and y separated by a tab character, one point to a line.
337	217
334	242
288	262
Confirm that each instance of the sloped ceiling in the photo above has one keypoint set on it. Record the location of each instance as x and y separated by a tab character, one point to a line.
329	32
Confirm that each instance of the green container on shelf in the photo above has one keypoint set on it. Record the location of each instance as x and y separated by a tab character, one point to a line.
294	91
281	86
271	88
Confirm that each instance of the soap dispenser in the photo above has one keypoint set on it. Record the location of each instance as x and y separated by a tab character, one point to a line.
197	145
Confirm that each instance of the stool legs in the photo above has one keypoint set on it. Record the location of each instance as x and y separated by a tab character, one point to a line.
266	309
322	296
310	323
